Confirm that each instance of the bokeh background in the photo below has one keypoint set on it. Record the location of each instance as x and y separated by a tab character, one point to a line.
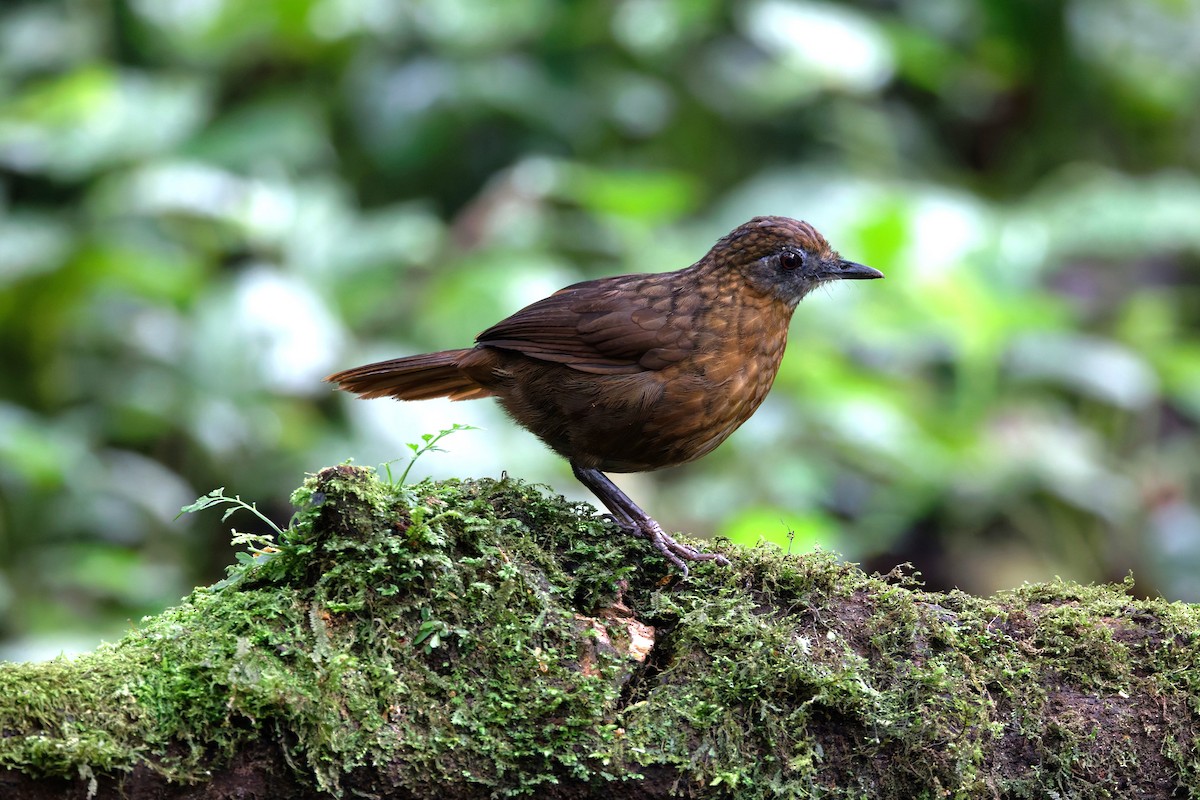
208	205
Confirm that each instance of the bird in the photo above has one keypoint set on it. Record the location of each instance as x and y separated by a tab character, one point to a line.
634	373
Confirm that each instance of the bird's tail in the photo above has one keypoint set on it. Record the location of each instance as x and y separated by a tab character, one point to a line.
413	378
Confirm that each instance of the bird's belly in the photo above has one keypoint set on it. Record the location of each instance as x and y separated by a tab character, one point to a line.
639	422
691	421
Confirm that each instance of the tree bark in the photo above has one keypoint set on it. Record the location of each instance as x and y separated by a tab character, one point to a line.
484	639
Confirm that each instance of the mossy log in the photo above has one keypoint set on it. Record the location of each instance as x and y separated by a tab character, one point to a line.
484	639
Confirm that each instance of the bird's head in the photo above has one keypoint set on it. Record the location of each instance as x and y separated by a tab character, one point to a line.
785	258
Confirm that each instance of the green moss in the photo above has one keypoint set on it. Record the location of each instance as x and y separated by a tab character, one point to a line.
457	632
384	626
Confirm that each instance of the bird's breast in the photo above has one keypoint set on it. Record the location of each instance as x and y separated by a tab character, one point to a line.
708	396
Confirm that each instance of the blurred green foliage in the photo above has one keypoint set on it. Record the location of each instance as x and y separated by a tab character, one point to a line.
206	206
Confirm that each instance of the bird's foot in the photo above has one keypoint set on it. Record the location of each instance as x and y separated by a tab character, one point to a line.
632	520
676	552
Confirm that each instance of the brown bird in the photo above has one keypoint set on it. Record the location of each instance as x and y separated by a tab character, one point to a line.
636	372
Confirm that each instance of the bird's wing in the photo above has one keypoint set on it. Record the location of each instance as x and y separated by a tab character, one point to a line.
619	325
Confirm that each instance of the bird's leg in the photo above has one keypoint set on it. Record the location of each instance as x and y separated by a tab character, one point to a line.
632	519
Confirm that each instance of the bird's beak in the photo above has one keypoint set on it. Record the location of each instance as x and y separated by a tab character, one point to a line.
850	271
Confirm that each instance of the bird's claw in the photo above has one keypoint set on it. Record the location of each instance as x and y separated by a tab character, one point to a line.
676	552
625	525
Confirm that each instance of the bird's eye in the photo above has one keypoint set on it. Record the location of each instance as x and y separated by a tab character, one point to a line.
790	260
